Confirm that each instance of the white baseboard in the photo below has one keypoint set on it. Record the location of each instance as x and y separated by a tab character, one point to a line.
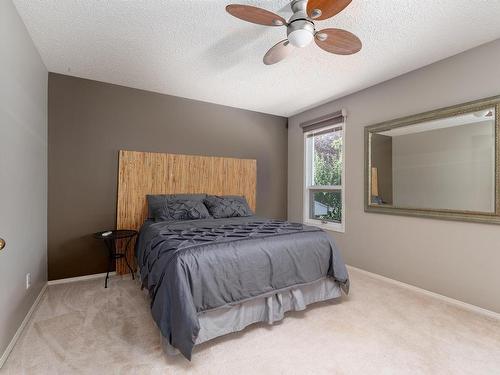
80	278
20	330
452	301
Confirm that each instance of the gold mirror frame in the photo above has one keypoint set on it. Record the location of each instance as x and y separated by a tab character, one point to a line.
444	214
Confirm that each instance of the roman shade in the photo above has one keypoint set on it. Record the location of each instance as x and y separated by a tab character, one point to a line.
324	121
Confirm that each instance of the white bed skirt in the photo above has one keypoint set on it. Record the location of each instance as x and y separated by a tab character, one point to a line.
270	308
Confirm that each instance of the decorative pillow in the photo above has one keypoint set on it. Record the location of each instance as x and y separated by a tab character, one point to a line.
180	209
227	206
156	201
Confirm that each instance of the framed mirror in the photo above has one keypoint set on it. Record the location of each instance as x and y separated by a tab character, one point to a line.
442	164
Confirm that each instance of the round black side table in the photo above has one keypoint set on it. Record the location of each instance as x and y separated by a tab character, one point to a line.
109	237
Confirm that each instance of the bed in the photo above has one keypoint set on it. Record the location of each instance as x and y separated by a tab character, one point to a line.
216	272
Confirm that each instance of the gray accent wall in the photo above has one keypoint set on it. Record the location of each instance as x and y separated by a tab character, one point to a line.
90	121
23	172
456	259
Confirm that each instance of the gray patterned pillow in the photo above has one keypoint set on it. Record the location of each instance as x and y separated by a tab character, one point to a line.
227	206
158	200
180	209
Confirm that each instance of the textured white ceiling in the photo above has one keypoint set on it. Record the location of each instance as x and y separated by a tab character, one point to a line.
194	49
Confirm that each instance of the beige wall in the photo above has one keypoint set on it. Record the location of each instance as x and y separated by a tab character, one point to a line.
459	260
381	158
90	121
452	168
23	172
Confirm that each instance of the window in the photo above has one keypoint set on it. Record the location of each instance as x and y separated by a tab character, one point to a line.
324	176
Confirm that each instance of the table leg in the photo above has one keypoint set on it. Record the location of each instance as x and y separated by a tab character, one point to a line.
111	245
107	273
128	265
126	259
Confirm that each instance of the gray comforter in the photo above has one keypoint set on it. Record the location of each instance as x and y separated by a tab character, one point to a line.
198	265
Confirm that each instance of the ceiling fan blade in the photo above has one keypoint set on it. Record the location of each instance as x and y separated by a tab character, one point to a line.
278	52
323	9
255	15
338	41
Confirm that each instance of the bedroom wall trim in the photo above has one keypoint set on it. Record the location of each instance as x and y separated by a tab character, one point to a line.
23	325
466	306
80	278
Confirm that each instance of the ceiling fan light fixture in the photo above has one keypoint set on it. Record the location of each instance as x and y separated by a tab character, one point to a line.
300	38
300	33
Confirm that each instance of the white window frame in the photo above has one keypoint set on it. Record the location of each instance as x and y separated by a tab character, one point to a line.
336	227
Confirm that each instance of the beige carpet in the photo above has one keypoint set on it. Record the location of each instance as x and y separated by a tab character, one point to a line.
82	328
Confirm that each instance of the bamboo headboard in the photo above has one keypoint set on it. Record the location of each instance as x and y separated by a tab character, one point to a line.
142	173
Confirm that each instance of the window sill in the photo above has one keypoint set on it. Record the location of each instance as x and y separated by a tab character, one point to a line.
334	227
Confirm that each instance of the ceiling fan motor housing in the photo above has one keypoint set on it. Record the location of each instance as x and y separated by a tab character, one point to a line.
299	6
300	30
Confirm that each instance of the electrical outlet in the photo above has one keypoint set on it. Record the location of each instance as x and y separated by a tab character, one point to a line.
28	280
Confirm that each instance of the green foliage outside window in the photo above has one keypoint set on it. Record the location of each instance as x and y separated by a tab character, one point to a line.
328	171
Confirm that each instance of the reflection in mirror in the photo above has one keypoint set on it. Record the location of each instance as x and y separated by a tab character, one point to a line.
442	164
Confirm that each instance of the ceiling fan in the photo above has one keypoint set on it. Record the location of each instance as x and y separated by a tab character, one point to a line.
301	29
